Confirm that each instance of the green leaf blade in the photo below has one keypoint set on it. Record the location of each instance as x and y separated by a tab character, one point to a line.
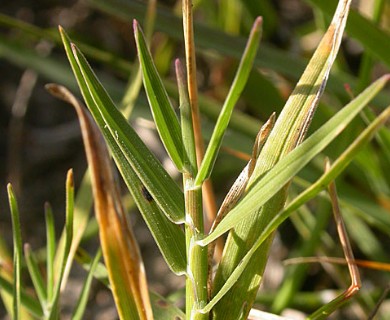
263	189
236	89
124	139
17	259
35	274
308	194
288	132
169	236
164	116
81	305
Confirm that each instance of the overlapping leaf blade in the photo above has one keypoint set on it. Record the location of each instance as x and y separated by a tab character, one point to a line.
263	189
305	196
288	132
164	116
124	139
166	234
119	247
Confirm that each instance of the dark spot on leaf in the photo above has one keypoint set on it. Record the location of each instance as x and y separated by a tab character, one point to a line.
162	303
145	193
178	318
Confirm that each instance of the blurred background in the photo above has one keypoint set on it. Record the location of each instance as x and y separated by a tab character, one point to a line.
40	137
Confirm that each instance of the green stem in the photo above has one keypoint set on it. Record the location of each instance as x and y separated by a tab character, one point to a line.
196	283
197	264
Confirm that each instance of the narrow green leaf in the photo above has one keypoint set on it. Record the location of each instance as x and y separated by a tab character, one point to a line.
50	250
82	208
54	303
266	187
324	312
17	241
186	121
169	237
163	189
124	139
78	313
35	274
31	304
164	116
232	98
309	193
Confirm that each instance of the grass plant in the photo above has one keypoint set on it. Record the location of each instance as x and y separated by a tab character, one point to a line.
281	177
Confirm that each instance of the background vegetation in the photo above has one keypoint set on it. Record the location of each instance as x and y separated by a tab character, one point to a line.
40	138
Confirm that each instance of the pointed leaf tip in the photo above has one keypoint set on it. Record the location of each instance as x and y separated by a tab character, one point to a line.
180	73
135	25
258	22
178	64
165	118
69	178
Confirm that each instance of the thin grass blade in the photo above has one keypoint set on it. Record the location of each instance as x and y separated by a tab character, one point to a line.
82	208
31	306
163	189
83	299
17	260
35	274
64	254
164	116
187	127
235	91
50	251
